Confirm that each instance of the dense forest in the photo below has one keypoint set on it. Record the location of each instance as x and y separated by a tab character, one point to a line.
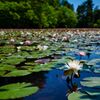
47	14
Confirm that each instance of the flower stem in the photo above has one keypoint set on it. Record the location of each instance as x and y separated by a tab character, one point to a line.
72	79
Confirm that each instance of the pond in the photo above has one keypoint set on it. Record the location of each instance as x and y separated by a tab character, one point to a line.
50	65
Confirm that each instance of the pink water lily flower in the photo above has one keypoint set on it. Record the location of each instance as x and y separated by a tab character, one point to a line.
27	42
82	53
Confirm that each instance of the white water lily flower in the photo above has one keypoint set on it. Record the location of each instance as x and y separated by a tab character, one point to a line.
28	33
12	40
42	47
21	43
73	67
18	48
22	33
2	32
45	47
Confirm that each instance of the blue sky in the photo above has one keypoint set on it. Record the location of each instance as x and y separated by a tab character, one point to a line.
78	2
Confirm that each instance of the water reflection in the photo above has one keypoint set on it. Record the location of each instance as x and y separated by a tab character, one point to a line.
36	79
55	87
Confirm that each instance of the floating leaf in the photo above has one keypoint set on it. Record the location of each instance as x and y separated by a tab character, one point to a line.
13	60
91	81
17	90
78	96
93	61
23	54
40	67
2	73
6	49
97	70
5	67
17	73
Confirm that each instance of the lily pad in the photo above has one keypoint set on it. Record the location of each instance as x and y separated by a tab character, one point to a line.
16	73
6	49
91	82
40	67
2	73
17	90
6	67
23	54
78	96
93	61
13	60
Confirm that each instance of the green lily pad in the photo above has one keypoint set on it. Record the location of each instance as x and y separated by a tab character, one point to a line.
7	49
91	82
93	62
40	67
97	70
17	90
2	73
63	60
5	67
23	54
78	96
16	73
13	60
40	54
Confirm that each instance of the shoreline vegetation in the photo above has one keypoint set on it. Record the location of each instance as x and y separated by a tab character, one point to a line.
51	29
40	14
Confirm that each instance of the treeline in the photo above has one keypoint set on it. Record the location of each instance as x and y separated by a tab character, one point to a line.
88	15
47	14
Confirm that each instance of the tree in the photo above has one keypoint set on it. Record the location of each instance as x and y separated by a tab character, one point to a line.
36	14
85	14
67	4
96	16
54	3
81	15
66	17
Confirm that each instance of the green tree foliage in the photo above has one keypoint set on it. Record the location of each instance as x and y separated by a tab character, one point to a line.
36	14
67	4
85	14
12	14
54	3
96	17
66	17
